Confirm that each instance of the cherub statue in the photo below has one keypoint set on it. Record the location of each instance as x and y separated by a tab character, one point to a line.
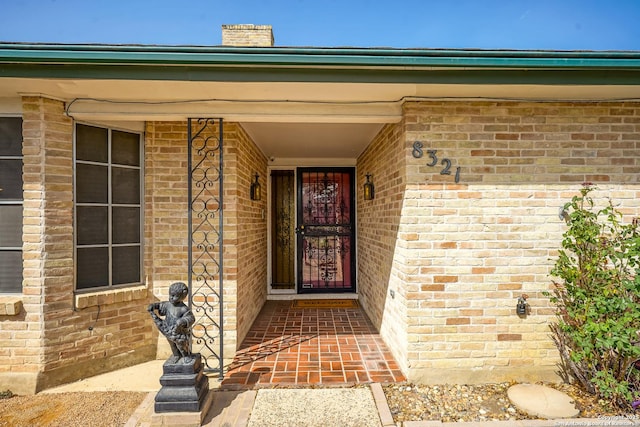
177	322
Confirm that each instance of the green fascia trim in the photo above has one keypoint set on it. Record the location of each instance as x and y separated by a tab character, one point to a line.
279	74
194	55
309	64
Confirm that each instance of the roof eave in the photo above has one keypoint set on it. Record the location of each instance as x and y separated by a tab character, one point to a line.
312	56
288	64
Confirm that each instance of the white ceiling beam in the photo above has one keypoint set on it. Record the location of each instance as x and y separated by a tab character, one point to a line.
240	111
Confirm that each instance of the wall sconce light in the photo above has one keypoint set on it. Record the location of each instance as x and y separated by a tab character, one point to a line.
369	189
563	214
522	308
256	190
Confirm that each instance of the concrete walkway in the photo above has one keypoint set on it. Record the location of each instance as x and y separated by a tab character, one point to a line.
363	406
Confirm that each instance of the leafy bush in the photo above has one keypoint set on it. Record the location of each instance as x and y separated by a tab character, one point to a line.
597	299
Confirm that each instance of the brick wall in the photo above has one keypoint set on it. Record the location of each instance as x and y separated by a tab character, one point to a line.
243	162
455	255
166	225
21	357
466	251
165	211
247	35
378	223
49	342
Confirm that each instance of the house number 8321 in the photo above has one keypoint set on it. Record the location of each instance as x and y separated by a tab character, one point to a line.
433	160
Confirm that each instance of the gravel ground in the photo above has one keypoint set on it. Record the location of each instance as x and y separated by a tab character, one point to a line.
488	402
95	409
408	402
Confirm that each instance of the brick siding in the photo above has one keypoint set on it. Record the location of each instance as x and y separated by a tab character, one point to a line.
250	242
440	263
244	225
247	35
466	251
50	342
378	223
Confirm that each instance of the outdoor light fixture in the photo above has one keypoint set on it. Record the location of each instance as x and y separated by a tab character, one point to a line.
522	308
369	189
256	190
564	214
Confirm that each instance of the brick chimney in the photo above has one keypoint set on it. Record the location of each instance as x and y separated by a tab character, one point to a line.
247	35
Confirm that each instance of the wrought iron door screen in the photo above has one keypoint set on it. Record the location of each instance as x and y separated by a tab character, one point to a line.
205	250
326	230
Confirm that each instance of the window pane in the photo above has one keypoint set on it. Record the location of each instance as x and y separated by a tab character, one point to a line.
126	225
125	185
126	265
125	148
11	226
92	184
92	144
101	190
11	179
10	271
93	267
10	136
93	225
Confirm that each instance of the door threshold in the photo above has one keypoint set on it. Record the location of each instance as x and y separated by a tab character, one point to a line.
291	297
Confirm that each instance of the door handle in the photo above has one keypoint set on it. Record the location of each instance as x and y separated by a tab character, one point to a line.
300	230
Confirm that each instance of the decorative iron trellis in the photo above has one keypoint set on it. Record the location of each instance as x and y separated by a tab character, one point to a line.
205	252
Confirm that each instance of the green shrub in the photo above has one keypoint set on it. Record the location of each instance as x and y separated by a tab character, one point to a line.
597	298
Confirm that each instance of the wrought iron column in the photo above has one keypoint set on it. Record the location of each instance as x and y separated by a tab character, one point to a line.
205	250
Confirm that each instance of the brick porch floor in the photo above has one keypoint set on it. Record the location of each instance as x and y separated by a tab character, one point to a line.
304	346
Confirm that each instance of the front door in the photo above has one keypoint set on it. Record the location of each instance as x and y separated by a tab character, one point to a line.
325	230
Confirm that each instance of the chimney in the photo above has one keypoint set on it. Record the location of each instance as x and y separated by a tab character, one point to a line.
247	35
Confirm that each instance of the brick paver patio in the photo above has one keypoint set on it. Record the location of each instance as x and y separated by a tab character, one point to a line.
307	346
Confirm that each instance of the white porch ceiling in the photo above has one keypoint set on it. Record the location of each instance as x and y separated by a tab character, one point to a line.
312	140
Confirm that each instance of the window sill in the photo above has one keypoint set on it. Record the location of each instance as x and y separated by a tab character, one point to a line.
10	305
110	297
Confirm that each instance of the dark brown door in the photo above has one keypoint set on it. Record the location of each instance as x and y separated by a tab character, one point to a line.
283	219
326	230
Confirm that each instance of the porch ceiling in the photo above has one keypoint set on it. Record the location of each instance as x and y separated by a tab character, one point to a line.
312	140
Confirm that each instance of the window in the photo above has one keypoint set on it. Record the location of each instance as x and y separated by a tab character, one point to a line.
10	205
108	209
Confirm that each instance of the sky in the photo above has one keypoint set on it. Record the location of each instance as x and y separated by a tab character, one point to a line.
455	24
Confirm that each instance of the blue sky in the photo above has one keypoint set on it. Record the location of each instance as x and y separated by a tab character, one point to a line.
483	24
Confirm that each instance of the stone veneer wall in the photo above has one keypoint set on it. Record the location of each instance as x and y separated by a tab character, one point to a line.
466	251
49	342
244	228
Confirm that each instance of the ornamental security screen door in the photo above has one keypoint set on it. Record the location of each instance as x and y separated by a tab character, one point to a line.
326	230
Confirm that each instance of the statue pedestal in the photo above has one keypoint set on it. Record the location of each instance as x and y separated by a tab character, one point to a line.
184	387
